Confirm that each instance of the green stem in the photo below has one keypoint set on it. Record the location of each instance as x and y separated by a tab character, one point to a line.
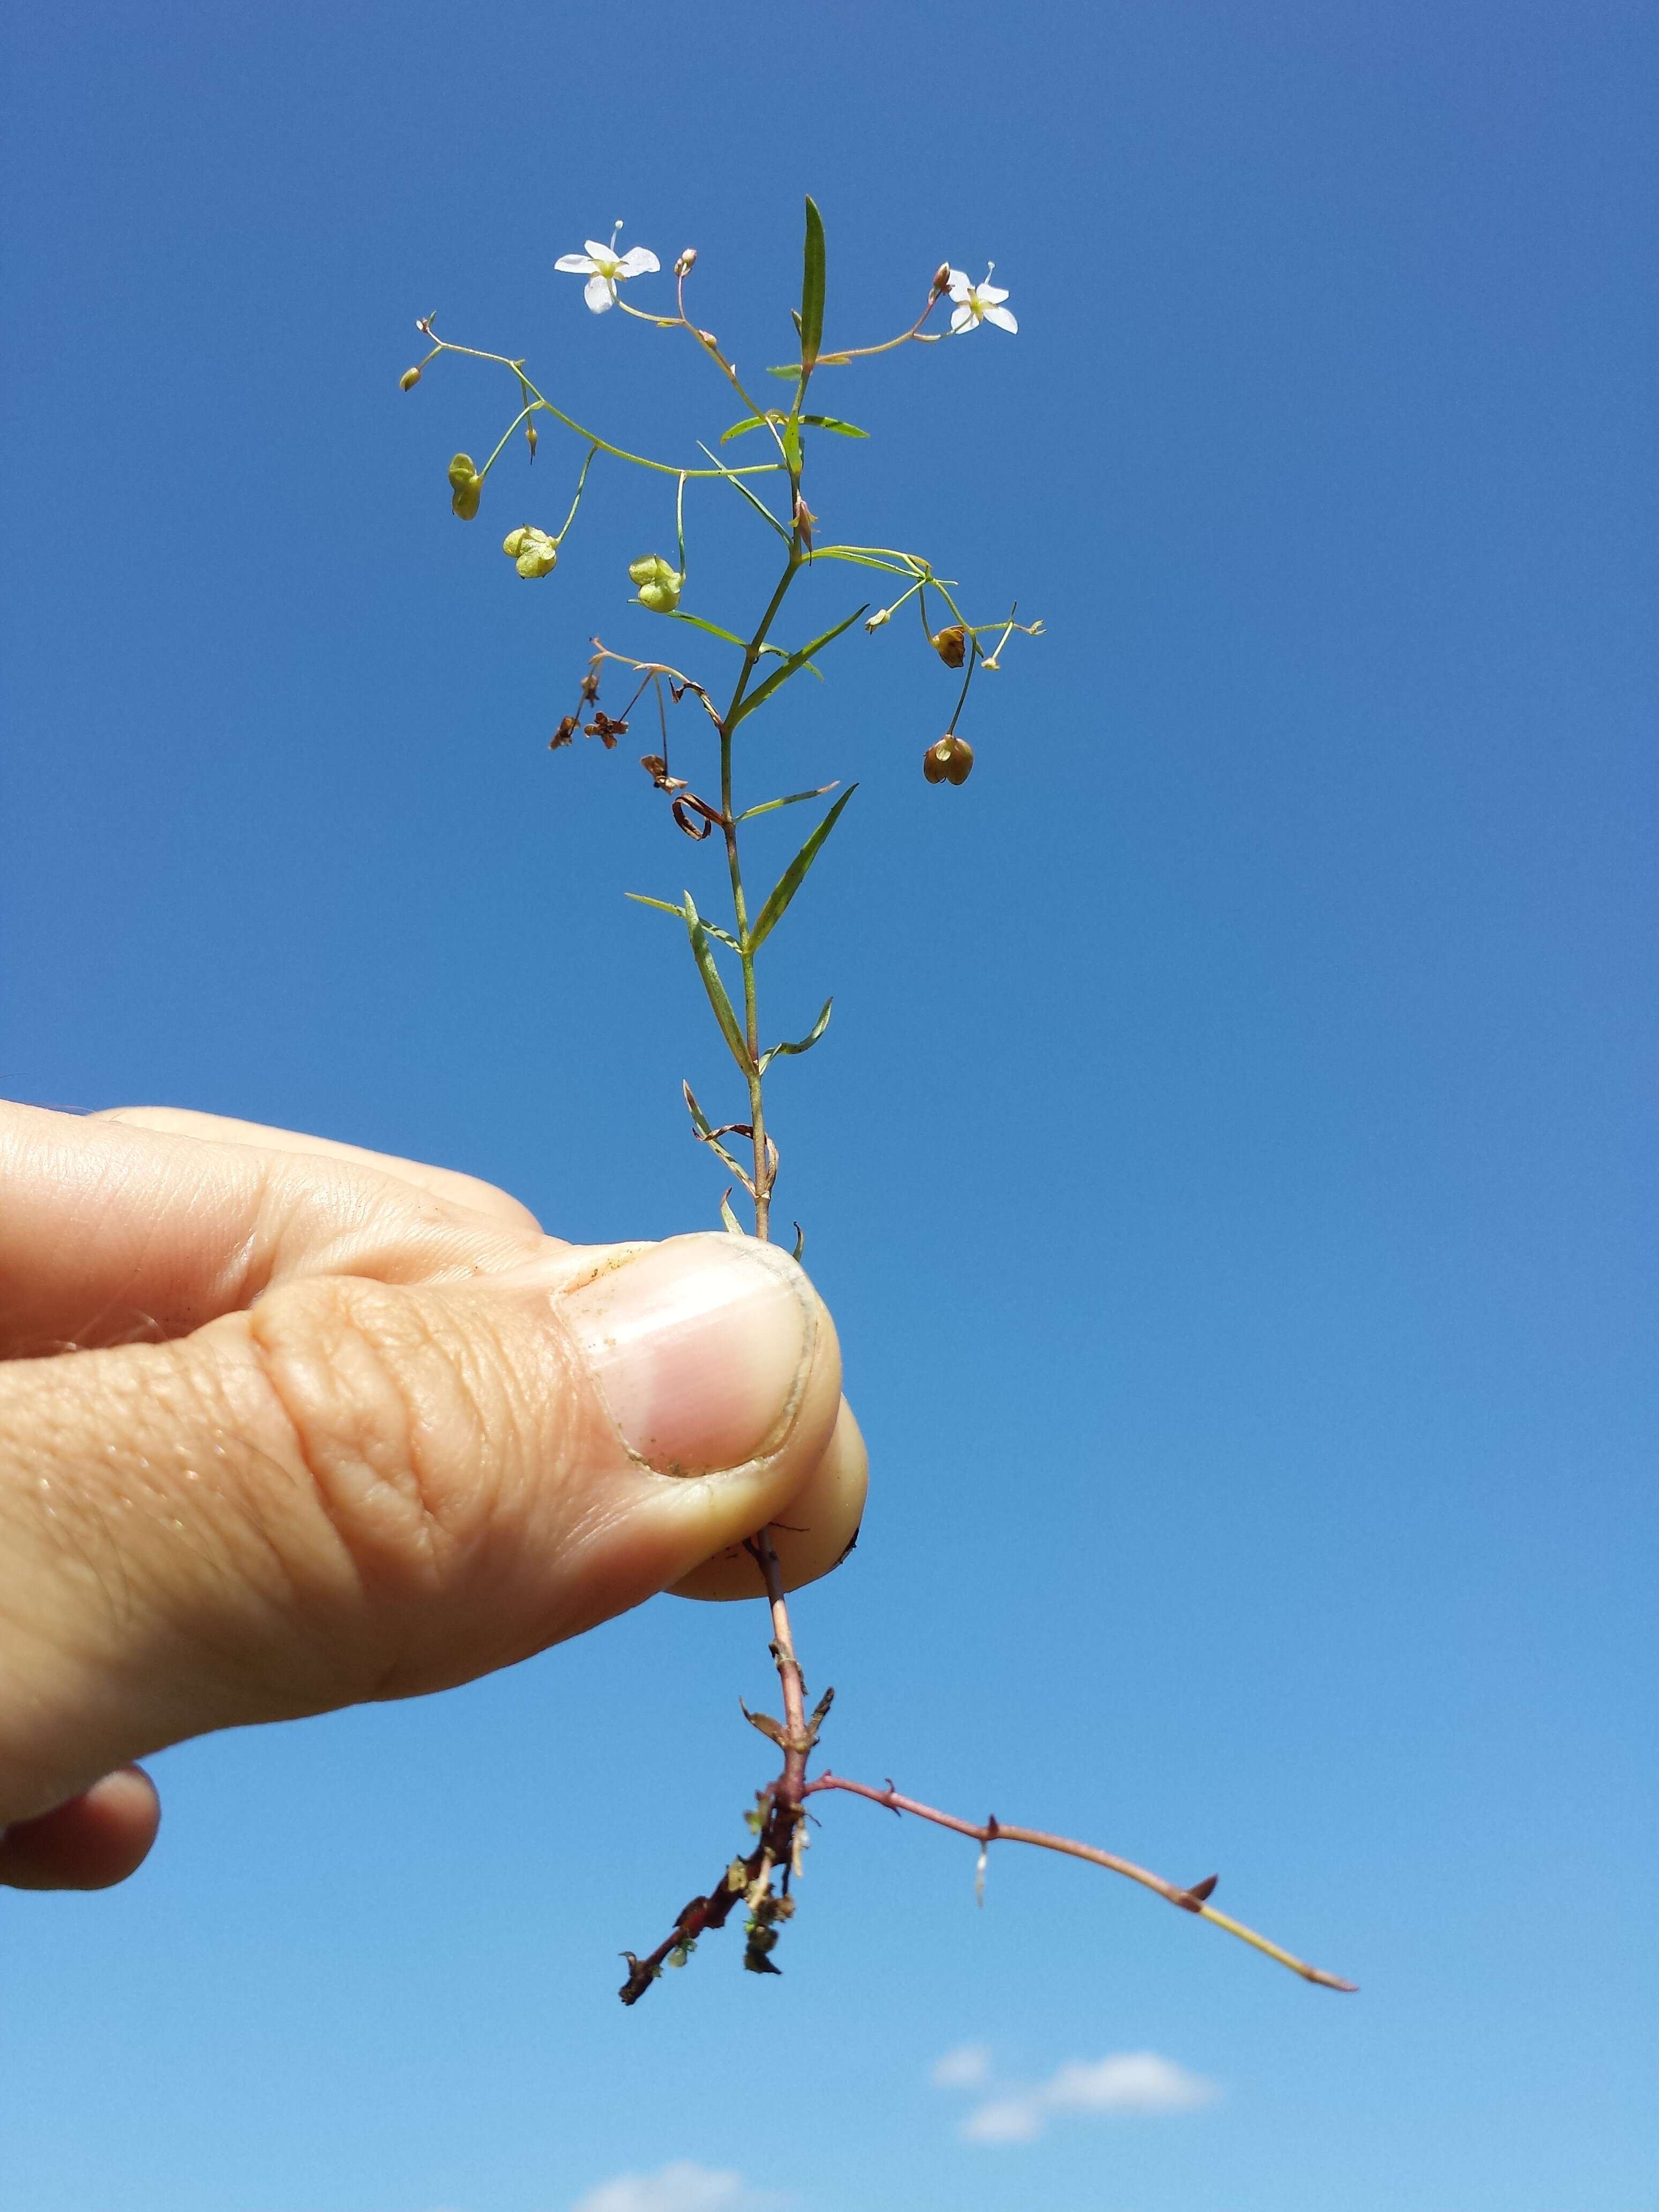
751	657
618	453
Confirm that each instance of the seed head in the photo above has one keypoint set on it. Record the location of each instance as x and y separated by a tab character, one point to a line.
658	583
408	379
532	550
949	761
951	645
466	486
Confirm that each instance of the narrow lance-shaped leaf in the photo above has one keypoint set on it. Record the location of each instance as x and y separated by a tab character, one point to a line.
702	952
771	806
812	288
707	1134
738	484
678	912
731	638
806	1042
786	669
793	877
812	422
733	1227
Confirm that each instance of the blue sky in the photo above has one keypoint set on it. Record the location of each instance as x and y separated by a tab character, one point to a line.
1230	1164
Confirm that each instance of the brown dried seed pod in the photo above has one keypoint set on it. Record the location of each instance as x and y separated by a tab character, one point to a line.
936	761
951	645
961	765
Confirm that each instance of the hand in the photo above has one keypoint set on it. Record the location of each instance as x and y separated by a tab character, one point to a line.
285	1426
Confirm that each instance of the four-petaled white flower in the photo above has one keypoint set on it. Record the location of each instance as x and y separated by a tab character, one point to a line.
605	269
975	303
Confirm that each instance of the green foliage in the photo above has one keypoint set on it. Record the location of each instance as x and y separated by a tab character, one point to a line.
791	880
811	288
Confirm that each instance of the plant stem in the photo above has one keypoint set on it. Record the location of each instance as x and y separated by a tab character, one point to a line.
997	1832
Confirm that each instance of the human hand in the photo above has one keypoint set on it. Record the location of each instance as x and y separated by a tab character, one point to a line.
286	1426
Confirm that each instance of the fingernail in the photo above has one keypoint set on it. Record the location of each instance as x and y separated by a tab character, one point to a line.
700	1348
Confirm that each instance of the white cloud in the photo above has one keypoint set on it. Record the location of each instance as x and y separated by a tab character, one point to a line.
681	2187
964	2067
1006	2119
1130	2081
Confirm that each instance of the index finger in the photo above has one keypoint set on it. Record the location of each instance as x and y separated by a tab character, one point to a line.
114	1232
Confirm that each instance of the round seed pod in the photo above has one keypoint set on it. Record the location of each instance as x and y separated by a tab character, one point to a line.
465	486
961	764
936	761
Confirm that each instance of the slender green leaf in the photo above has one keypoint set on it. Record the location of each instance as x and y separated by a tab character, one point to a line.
711	1137
793	877
789	372
698	929
861	560
759	506
679	912
731	638
806	1042
800	1242
811	288
791	666
733	1226
812	422
679	614
792	443
770	806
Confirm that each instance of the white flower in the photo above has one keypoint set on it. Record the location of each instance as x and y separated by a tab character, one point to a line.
605	269
975	303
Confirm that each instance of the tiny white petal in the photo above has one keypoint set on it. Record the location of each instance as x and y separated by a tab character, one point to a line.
638	261
1001	317
960	282
601	249
964	319
991	294
599	293
575	265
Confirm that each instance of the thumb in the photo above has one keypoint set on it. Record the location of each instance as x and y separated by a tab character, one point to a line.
358	1489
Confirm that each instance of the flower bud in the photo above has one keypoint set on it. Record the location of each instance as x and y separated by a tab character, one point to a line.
530	438
951	645
687	262
882	615
408	379
942	277
949	761
658	584
465	486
